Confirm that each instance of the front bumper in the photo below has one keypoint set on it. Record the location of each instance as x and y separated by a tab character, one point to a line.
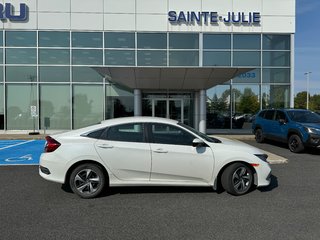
313	141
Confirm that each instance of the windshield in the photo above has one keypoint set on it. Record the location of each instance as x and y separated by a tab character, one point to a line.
204	136
304	116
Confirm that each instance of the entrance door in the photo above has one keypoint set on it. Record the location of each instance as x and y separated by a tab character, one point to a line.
168	108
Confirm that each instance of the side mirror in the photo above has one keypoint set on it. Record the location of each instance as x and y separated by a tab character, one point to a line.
198	143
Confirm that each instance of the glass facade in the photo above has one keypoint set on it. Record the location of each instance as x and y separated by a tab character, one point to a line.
55	71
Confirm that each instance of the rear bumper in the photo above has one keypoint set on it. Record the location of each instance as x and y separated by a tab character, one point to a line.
50	169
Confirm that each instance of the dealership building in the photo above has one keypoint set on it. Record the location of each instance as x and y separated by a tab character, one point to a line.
67	64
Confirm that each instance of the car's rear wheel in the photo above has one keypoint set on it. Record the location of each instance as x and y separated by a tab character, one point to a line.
259	135
237	179
295	143
87	180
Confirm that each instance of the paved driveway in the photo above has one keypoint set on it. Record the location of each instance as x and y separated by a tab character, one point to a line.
20	152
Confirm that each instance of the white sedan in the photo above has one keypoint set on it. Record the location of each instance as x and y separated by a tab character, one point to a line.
146	151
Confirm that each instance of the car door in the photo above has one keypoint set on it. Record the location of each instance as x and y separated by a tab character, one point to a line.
124	150
280	127
174	159
268	123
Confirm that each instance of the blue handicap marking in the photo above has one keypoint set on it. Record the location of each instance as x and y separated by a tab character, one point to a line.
20	152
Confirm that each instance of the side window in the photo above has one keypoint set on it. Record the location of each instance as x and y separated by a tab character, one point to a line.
132	132
95	134
168	134
262	114
280	115
269	114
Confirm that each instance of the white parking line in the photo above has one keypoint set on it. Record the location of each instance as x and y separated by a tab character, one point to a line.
14	145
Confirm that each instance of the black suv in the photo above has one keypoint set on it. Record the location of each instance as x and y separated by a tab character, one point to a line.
299	128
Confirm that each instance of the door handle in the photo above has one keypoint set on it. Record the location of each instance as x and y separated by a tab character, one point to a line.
160	150
104	146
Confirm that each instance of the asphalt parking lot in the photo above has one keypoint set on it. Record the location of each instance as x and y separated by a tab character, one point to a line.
32	208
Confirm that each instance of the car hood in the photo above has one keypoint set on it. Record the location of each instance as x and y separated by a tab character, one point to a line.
311	125
235	145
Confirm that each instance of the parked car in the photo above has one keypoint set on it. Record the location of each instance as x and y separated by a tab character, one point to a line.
298	127
143	151
222	120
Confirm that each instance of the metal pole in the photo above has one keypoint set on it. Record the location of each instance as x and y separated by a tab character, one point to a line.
308	76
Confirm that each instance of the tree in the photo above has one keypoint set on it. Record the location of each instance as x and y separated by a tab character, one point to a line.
300	100
315	102
249	102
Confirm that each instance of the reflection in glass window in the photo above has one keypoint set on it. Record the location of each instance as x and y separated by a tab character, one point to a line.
54	39
119	40
276	75
246	58
87	39
1	73
1	38
1	108
119	102
216	41
21	56
152	58
152	40
87	57
276	42
1	55
276	58
216	58
56	109
246	41
245	103
248	77
120	57
21	39
184	41
219	107
87	105
54	56
167	134
132	132
19	99
85	74
54	74
275	96
21	74
184	58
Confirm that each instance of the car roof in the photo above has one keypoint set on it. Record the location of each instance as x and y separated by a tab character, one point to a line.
116	121
121	120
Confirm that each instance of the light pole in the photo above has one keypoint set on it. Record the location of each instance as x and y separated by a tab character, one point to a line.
308	76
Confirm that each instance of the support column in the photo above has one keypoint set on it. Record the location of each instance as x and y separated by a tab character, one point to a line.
203	112
196	110
137	102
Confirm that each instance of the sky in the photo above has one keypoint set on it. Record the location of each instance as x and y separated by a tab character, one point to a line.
307	46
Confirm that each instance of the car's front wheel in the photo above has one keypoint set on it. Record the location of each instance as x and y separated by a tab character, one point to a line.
87	180
295	144
237	179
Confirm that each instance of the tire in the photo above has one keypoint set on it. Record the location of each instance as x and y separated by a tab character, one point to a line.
237	179
259	135
87	180
295	144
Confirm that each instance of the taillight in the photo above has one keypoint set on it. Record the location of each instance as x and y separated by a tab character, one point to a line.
51	144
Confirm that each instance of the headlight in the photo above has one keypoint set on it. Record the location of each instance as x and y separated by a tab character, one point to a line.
263	157
312	130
